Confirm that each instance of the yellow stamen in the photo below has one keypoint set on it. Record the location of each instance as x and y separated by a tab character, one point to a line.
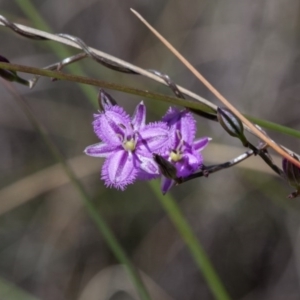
129	145
175	156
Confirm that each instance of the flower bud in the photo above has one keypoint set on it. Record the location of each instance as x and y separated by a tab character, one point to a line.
292	175
105	100
232	124
166	168
11	75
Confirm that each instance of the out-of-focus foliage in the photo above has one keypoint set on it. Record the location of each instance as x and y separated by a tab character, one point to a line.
49	246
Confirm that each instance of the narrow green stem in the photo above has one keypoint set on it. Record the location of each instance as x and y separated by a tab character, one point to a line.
104	84
194	246
143	93
274	126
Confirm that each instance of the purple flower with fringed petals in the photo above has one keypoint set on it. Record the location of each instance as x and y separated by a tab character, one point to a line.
184	152
127	144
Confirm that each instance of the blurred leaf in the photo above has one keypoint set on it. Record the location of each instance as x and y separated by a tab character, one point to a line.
10	291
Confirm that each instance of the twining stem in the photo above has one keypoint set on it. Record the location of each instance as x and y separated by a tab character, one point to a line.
143	93
62	53
105	84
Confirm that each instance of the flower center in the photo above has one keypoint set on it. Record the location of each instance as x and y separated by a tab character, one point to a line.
175	155
129	145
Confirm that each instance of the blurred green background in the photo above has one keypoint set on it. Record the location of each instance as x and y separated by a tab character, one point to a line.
50	248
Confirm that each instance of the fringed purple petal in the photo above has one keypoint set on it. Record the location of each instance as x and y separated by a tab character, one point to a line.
139	116
201	143
148	165
153	138
99	150
181	122
190	163
172	116
166	184
119	170
142	175
187	127
110	126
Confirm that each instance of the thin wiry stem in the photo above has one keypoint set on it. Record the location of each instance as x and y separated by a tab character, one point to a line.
147	73
207	170
109	57
103	84
102	60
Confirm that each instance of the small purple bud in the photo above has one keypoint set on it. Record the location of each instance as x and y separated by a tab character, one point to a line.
292	175
105	100
232	124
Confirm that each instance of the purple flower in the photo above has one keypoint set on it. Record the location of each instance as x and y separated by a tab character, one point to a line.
127	144
184	152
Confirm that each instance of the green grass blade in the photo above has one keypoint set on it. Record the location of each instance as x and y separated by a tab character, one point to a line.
10	291
200	257
274	126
